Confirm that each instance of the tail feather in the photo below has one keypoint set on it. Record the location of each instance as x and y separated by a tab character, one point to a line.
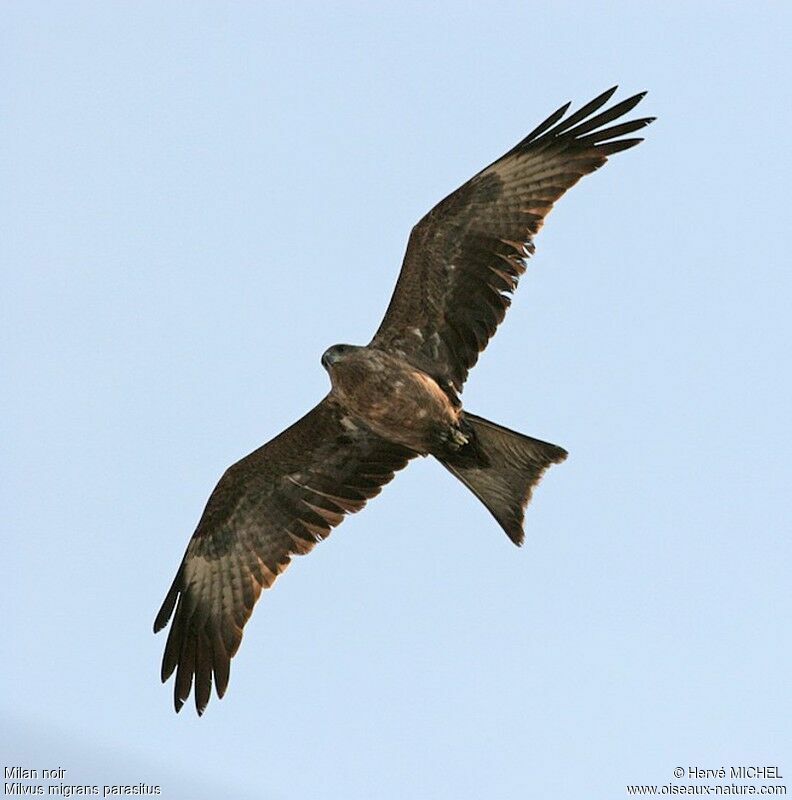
501	467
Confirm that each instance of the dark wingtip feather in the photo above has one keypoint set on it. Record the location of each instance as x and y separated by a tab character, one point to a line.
585	111
166	609
516	534
602	98
166	670
182	686
614	112
221	666
164	614
221	675
609	148
632	102
547	123
586	125
203	672
613	132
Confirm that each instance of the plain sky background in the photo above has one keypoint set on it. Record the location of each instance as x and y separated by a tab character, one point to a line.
198	198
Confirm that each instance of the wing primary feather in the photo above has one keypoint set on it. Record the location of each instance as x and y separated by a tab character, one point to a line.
173	645
166	609
609	148
170	658
585	111
203	671
221	665
616	130
543	126
184	673
232	638
607	116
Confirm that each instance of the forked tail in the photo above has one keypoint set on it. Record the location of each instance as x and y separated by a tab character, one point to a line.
501	467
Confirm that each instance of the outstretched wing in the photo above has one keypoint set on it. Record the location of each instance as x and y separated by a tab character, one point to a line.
273	504
466	255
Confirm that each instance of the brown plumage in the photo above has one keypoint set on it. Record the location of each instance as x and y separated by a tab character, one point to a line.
391	401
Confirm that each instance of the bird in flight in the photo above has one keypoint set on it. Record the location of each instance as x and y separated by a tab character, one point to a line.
391	400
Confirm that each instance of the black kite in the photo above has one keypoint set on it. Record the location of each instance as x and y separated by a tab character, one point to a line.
392	400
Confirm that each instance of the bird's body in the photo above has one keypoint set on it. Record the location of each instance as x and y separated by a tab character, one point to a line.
393	400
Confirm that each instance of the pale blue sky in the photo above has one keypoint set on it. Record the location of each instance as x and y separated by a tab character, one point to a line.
201	197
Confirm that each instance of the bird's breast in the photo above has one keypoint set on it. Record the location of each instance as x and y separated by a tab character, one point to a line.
393	398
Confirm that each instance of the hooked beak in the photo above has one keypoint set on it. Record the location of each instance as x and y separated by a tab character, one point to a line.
329	357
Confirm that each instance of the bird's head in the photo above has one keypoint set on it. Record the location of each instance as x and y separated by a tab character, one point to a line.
336	353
